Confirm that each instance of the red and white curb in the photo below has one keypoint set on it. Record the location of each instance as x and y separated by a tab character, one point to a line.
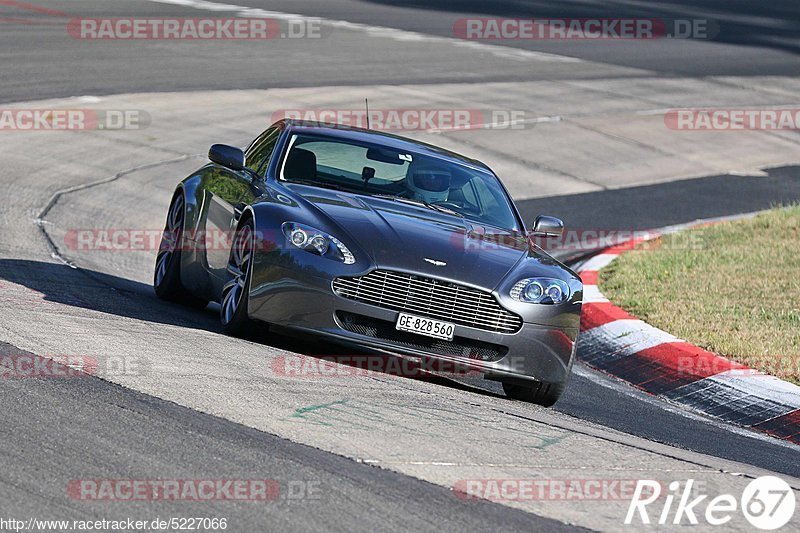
619	344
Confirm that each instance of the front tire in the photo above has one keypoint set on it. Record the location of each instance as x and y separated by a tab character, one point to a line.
236	292
539	392
167	274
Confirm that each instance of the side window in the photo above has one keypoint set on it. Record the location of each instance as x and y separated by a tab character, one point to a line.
486	197
260	152
470	200
494	205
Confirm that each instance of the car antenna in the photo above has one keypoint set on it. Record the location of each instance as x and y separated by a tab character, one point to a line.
366	103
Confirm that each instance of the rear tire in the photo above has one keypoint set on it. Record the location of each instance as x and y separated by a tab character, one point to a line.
539	392
167	274
236	291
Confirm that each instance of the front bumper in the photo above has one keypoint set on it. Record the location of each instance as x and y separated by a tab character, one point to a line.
307	304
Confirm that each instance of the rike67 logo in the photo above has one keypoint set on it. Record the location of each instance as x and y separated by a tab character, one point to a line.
767	503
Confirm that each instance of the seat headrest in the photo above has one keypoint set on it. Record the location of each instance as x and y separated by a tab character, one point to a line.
300	164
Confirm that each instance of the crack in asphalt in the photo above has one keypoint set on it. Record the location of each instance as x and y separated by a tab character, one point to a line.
41	219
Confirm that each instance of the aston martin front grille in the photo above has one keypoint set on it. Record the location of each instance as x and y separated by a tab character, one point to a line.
431	298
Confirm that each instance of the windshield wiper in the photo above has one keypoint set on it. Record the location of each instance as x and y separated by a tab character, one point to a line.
443	209
414	201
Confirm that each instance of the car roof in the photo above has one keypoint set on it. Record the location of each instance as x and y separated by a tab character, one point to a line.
388	140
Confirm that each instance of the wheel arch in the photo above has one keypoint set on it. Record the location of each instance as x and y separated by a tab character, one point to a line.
192	267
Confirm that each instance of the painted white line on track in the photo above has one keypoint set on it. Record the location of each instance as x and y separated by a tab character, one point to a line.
377	31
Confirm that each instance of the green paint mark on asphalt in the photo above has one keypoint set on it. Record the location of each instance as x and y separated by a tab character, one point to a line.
310	408
318	409
547	441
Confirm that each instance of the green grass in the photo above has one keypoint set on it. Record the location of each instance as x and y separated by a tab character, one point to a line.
732	288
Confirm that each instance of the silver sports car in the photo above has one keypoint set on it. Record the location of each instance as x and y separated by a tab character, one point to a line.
378	242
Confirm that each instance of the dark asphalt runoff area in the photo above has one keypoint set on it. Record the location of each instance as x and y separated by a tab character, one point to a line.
665	204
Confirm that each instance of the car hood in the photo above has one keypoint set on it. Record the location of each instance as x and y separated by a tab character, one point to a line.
415	239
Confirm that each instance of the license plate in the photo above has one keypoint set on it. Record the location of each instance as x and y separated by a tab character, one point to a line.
426	326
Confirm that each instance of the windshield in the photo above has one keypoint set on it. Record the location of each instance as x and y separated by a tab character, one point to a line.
375	170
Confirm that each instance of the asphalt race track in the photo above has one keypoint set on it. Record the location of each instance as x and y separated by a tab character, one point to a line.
755	39
173	398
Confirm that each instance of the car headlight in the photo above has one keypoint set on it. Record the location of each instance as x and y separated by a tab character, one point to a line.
317	242
540	291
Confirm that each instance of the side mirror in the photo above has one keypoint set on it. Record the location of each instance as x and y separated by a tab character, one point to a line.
545	226
227	156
